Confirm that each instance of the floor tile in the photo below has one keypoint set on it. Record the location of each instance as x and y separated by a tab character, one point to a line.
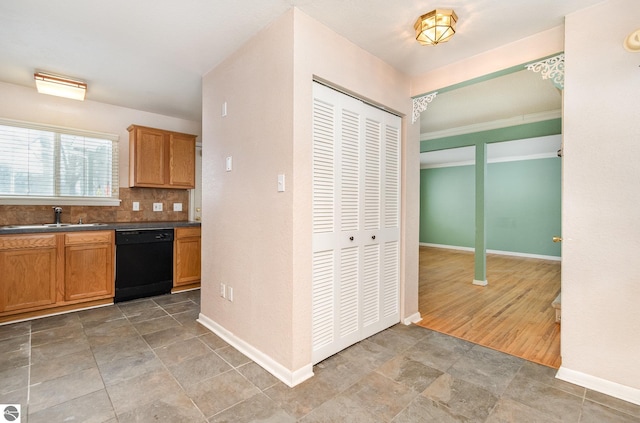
393	340
154	325
380	395
369	352
172	407
19	396
547	375
255	374
122	348
412	331
303	398
57	391
15	329
196	369
510	411
100	314
52	322
596	413
91	408
185	306
213	341
340	371
18	343
108	332
163	300
409	372
13	359
59	348
168	336
232	356
147	314
116	371
13	379
130	308
342	408
218	393
140	390
423	410
487	368
549	400
258	408
178	352
57	334
62	366
461	397
615	403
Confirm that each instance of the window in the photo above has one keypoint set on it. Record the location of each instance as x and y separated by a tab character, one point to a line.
42	164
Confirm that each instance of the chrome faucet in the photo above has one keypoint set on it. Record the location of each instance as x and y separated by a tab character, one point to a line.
57	212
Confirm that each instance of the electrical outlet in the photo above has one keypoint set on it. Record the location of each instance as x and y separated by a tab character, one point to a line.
136	206
230	293
177	207
223	290
157	206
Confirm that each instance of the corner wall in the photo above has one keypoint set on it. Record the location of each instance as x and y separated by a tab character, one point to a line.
258	240
601	229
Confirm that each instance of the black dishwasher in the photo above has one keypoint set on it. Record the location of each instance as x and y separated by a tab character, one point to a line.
144	263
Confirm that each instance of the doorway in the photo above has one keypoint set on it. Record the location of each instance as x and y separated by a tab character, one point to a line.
514	313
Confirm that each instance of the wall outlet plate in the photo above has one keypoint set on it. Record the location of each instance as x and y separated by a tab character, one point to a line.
157	207
136	206
177	207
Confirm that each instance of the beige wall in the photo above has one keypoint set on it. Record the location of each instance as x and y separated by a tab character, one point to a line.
254	238
24	103
601	229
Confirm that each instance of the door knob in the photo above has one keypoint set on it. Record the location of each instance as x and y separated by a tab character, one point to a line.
557	239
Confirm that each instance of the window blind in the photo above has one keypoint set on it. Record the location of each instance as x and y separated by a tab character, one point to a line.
50	163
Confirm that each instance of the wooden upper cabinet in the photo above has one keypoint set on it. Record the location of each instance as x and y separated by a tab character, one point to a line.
161	159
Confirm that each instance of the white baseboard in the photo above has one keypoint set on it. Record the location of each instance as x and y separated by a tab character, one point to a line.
498	252
604	386
414	318
289	377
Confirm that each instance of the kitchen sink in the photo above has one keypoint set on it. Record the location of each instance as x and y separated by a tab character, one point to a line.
53	225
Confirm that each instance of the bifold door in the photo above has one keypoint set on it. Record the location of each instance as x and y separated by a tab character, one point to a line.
356	221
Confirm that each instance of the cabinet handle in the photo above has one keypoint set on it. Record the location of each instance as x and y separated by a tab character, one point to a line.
350	238
373	237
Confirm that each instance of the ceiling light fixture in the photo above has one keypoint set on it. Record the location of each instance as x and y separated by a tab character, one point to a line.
435	27
632	42
60	86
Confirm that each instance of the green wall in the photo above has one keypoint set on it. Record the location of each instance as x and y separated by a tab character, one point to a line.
522	206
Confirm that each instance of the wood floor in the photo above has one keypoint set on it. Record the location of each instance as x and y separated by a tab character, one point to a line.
513	314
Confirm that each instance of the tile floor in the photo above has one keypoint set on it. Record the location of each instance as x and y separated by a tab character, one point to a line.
150	361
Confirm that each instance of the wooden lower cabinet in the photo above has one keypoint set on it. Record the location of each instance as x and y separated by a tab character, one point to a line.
186	257
29	272
46	273
88	267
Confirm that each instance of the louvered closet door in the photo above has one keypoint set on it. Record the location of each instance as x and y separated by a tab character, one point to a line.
356	221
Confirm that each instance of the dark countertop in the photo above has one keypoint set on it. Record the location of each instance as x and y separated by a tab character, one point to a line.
7	230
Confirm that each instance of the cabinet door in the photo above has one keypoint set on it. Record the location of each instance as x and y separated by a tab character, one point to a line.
149	151
182	161
29	269
187	261
88	265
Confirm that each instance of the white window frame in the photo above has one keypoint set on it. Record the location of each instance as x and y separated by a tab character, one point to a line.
114	200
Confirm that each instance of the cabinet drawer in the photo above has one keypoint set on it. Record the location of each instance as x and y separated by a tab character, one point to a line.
187	232
89	237
10	242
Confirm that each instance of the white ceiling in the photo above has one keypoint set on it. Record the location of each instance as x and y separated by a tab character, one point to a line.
151	54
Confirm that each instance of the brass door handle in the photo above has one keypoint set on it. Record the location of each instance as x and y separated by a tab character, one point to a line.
557	239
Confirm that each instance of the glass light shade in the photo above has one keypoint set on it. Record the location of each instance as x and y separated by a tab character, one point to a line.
60	86
435	27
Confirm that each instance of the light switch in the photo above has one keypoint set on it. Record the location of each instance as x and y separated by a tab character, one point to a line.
228	163
136	206
281	182
177	207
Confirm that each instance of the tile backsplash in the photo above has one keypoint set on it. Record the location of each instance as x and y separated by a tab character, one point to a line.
26	215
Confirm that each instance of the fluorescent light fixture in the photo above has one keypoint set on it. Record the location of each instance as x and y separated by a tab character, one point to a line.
60	86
